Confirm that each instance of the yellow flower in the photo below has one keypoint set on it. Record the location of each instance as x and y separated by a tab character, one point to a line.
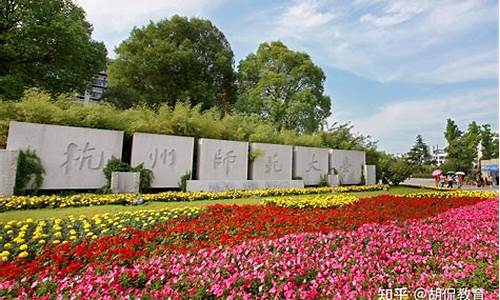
23	254
23	247
6	245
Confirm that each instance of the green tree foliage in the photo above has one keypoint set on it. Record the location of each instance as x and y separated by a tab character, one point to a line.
392	169
452	132
489	142
176	59
419	154
457	157
463	147
471	140
283	87
40	107
46	44
121	97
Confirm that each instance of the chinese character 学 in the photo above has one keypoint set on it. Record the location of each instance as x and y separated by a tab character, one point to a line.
83	156
224	160
273	164
313	165
165	155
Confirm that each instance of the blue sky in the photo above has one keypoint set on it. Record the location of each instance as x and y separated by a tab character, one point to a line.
394	69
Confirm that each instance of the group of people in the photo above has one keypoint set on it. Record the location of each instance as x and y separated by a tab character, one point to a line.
449	180
482	181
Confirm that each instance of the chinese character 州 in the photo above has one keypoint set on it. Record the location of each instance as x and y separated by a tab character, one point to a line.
313	165
273	164
164	155
224	161
85	156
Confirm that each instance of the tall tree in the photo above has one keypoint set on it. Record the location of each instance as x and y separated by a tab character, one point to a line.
284	87
48	45
176	59
452	132
489	142
471	140
419	154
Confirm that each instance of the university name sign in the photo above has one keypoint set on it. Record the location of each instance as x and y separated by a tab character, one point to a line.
74	158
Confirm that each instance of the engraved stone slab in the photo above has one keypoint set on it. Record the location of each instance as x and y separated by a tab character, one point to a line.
125	182
73	157
228	185
310	164
169	157
222	160
273	163
348	164
370	174
8	168
333	180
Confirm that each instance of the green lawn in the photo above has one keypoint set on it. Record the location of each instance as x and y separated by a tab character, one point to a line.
44	213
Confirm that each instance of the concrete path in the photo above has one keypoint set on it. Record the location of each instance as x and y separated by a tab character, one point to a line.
430	182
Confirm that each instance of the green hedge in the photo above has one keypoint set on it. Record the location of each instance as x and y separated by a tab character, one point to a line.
40	107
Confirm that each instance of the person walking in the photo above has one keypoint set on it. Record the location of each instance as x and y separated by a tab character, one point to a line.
449	178
437	179
460	181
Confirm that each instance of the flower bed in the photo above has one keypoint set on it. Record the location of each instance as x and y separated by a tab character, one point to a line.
27	238
321	201
453	194
223	225
457	248
29	202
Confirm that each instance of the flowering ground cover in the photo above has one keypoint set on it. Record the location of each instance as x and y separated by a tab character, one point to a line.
27	238
321	201
455	248
30	202
221	226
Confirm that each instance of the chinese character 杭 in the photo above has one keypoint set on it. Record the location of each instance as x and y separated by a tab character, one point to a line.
84	156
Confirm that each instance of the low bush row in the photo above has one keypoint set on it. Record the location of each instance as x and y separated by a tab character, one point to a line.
31	202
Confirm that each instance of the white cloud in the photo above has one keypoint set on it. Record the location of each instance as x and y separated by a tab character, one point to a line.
482	65
414	41
114	19
302	17
397	12
396	125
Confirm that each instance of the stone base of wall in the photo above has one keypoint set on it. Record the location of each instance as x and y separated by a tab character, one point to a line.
125	182
333	180
227	185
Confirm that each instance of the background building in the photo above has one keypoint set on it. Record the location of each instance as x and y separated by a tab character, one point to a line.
96	90
438	155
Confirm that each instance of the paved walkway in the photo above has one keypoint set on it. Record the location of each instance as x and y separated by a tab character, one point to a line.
430	182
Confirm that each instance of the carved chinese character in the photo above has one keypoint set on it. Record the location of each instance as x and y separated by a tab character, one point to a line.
273	164
224	160
345	168
313	165
164	156
85	156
